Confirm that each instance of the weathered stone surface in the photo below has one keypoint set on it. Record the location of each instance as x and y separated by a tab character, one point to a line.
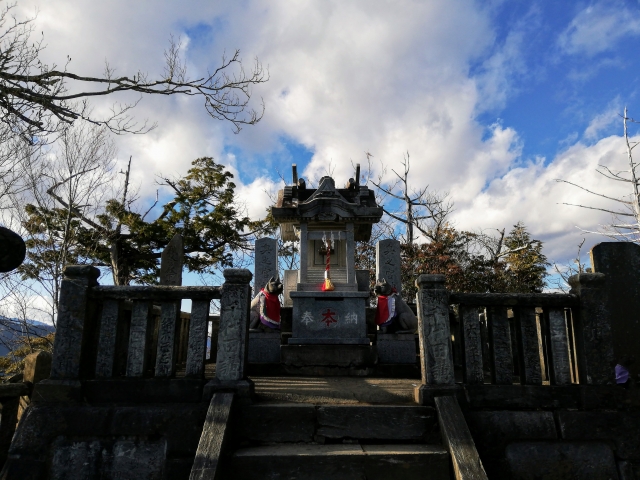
493	430
107	338
606	397
8	426
592	329
266	262
285	423
179	424
620	262
57	391
621	429
529	347
41	424
37	367
554	460
139	334
388	263
172	261
339	462
472	345
434	332
71	320
559	347
500	342
363	279
457	439
351	254
234	325
290	283
396	348
376	422
198	331
12	390
523	396
329	317
165	356
155	293
122	459
264	347
215	434
559	300
143	390
328	355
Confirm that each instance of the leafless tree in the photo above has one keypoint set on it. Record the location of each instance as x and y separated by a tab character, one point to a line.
37	99
62	185
423	209
626	219
492	247
564	272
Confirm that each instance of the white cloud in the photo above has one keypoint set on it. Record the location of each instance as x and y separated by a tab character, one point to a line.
348	77
603	120
599	27
531	193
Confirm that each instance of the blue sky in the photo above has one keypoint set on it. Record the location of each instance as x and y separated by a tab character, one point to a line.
494	100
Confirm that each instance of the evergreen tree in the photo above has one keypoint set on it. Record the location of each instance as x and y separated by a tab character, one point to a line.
527	266
203	210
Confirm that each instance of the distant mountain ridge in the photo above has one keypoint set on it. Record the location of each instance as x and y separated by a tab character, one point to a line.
12	328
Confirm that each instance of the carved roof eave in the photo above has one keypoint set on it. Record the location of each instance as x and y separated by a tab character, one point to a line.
294	215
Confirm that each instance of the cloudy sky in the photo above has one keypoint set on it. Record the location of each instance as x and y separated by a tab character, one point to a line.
493	100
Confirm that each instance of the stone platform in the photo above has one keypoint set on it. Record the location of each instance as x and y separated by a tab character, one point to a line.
396	348
328	359
264	347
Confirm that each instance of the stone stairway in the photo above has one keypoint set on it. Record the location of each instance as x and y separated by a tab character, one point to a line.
310	441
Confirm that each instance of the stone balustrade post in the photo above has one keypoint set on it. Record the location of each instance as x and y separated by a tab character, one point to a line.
436	360
72	313
233	336
64	382
594	340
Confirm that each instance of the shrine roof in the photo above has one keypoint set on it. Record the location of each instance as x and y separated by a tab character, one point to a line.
355	204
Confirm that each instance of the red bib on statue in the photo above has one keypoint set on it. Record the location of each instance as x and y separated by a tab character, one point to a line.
382	312
272	303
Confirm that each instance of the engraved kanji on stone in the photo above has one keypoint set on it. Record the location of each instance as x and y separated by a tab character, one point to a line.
351	317
328	317
307	318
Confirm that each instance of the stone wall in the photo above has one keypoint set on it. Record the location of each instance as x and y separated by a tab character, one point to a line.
552	432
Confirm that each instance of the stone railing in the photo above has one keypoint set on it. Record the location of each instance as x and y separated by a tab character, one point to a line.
107	335
550	339
141	358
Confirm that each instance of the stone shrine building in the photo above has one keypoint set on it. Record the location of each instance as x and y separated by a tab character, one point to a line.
312	217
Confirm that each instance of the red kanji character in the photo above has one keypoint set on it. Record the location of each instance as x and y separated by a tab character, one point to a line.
327	317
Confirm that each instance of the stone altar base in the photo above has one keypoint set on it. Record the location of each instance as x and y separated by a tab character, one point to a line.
264	347
328	359
396	348
329	318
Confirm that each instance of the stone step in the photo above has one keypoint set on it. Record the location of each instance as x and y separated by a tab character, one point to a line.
298	423
339	462
317	276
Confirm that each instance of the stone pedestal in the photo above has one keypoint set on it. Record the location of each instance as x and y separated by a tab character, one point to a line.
396	348
329	318
264	347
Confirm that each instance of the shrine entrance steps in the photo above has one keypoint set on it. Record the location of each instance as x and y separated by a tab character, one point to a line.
328	441
312	428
